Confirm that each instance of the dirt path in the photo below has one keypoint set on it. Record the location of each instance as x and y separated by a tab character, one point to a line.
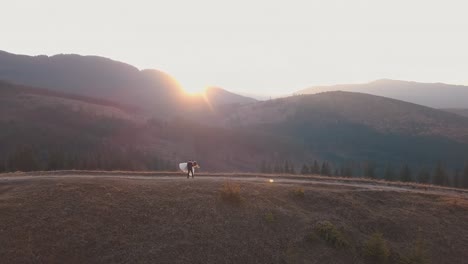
359	184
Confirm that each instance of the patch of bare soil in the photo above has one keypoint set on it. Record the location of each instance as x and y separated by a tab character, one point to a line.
176	220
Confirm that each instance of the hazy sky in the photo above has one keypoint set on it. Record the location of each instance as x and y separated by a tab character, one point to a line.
262	47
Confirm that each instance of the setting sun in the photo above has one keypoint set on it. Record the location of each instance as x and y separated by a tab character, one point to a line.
194	89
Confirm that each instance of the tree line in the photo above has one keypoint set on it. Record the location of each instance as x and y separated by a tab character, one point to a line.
27	158
438	175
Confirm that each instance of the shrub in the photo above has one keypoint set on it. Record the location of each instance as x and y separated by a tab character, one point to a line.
311	238
418	254
376	249
230	192
328	232
269	217
299	192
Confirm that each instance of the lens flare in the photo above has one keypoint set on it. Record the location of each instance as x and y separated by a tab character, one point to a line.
194	89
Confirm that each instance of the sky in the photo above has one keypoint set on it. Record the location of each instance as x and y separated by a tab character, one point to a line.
261	47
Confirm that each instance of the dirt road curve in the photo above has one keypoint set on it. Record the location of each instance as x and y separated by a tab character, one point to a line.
358	183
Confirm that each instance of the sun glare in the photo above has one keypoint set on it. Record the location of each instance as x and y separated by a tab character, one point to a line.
194	90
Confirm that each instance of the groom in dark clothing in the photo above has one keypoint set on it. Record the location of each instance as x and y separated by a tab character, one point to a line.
189	168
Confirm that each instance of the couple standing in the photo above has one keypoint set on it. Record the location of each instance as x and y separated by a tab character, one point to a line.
190	166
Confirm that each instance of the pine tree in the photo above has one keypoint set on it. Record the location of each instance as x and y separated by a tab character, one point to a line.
169	166
464	180
325	169
55	161
315	169
23	159
292	170
440	177
277	168
456	179
389	174
423	176
2	166
305	169
263	167
286	167
369	171
346	171
405	174
158	164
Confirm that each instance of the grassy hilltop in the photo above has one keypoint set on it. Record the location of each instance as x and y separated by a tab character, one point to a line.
80	219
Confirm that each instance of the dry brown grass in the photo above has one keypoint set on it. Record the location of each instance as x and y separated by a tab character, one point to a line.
230	192
299	192
331	234
417	255
75	219
269	217
334	179
376	249
455	202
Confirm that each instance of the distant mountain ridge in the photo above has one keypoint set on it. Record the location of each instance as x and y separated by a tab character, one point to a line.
103	78
9	88
380	113
84	132
458	111
87	75
220	96
96	105
435	95
344	126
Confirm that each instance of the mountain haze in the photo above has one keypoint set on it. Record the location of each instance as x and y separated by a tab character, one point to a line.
219	96
154	91
458	111
83	132
111	115
342	126
435	95
90	76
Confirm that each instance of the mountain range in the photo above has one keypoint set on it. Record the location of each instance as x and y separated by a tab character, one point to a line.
96	113
153	91
436	95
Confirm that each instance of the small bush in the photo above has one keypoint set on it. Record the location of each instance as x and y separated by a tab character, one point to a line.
299	192
311	238
269	217
230	192
418	254
376	249
328	232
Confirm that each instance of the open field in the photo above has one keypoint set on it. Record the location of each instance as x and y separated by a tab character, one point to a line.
122	217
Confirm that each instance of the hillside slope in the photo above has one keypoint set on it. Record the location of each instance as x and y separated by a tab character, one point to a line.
90	76
152	90
345	126
435	95
41	129
382	114
76	219
458	111
67	131
219	96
